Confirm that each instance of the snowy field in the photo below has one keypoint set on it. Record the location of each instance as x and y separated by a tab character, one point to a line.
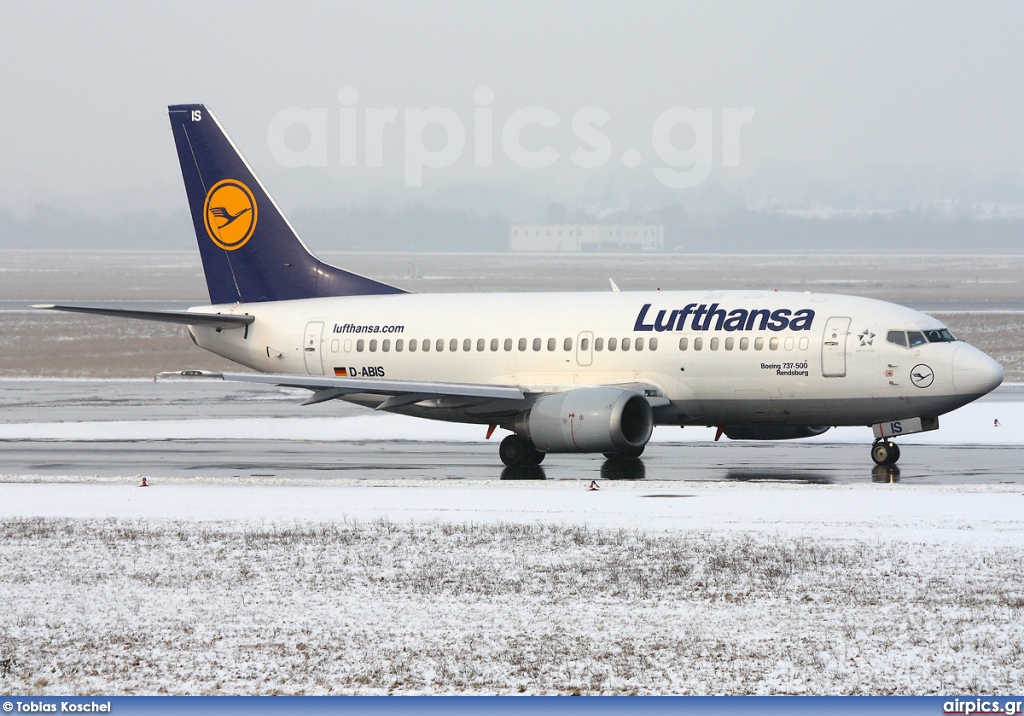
511	588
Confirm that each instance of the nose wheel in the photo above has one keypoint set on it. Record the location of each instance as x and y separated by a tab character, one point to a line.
885	452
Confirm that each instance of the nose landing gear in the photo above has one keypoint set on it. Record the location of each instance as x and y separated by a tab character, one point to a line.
885	452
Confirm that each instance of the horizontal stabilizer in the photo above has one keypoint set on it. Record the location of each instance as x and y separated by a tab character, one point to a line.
183	317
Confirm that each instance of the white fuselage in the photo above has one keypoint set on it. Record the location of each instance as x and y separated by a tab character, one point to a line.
719	357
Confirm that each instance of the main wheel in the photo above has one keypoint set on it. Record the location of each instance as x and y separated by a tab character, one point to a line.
515	451
885	453
632	452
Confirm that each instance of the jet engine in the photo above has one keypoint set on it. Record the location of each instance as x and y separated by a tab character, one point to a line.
772	432
588	420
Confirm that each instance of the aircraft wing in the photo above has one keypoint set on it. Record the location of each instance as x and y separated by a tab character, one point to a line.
399	392
187	318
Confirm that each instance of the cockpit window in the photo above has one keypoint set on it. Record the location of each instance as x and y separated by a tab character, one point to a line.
912	339
915	338
897	337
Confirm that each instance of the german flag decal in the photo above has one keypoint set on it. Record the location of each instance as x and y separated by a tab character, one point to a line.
341	372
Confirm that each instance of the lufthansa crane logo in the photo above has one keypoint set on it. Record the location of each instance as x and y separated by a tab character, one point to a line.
921	375
230	214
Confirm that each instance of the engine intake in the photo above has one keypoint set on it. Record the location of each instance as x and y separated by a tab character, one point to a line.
588	420
772	432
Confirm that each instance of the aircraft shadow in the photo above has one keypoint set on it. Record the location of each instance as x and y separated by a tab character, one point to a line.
805	477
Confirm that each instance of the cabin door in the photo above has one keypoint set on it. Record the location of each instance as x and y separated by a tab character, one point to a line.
833	347
311	348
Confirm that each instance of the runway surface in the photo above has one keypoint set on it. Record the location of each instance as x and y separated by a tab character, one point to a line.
276	461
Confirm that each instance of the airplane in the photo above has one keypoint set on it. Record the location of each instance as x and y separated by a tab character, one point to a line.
562	372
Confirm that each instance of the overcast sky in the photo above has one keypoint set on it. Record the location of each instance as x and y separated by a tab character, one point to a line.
857	93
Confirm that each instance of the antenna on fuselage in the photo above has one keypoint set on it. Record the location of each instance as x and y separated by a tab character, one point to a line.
615	286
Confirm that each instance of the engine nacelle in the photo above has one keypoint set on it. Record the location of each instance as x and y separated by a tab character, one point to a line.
772	432
588	420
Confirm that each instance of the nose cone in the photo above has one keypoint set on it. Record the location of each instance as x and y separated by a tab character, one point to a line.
974	373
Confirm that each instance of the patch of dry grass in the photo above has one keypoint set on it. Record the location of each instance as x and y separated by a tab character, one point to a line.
381	607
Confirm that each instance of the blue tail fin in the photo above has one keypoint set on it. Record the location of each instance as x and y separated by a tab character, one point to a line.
250	251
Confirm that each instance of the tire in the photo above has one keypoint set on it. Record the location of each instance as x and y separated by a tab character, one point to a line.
895	449
633	452
514	451
881	453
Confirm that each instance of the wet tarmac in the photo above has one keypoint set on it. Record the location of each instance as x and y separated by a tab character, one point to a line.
277	461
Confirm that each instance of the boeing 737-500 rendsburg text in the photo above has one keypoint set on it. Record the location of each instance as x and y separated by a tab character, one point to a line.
564	372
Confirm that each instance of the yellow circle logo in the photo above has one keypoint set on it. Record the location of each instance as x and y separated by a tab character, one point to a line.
230	214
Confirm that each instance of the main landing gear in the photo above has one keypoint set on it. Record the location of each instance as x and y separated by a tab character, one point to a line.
515	451
885	452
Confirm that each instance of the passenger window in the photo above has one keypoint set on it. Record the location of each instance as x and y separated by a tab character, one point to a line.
467	345
480	344
682	344
452	345
508	344
494	345
773	344
335	345
698	343
714	344
612	342
567	344
399	345
789	344
551	344
729	344
915	338
373	345
625	344
744	343
803	343
426	345
758	344
654	344
522	344
386	345
412	345
348	345
584	344
897	337
599	344
536	344
639	344
360	344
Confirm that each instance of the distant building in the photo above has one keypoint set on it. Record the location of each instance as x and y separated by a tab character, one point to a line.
586	237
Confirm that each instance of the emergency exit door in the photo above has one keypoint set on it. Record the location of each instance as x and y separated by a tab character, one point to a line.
311	348
833	347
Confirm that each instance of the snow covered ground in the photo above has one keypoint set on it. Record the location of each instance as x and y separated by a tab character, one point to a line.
490	587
